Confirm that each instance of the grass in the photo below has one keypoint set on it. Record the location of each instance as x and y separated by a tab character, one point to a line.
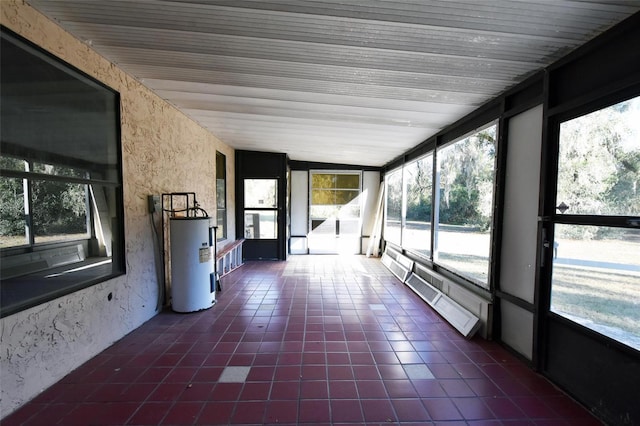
603	301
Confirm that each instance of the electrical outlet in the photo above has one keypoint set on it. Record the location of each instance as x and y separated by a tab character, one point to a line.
155	203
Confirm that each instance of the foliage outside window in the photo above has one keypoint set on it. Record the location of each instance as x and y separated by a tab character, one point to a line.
599	162
596	269
60	181
221	196
418	187
465	176
393	207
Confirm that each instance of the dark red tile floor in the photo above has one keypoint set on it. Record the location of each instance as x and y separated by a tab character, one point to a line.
323	340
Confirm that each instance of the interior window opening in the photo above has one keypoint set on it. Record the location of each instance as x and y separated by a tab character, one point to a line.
464	205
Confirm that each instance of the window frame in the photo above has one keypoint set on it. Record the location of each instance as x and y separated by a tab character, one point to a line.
405	203
486	285
313	218
107	177
433	243
249	230
221	203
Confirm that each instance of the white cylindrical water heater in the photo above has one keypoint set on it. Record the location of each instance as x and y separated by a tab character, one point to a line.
192	264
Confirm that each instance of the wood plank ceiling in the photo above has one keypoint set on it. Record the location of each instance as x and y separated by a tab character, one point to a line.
353	82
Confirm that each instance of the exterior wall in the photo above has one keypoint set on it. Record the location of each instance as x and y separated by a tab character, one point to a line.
163	151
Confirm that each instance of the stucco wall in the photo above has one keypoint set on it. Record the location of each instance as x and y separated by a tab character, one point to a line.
163	151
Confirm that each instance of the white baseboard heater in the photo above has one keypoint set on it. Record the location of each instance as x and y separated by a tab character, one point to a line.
399	265
457	315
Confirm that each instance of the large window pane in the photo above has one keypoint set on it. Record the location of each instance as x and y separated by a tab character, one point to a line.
334	195
596	279
466	172
260	224
599	162
260	193
393	206
416	232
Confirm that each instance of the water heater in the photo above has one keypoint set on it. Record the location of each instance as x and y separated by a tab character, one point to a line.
192	264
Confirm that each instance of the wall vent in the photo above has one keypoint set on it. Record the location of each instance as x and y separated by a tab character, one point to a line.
459	317
429	276
424	290
465	311
397	263
474	303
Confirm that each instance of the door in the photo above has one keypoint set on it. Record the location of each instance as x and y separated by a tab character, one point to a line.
592	242
260	209
335	208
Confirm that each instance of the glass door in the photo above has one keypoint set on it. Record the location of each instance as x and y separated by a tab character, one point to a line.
591	325
596	247
261	217
334	213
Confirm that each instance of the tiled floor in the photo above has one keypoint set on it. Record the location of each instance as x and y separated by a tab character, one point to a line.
319	340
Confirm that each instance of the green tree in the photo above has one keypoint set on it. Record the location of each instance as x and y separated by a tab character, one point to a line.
12	221
599	164
466	180
419	176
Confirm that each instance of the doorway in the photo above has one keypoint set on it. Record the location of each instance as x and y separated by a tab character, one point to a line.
261	183
335	225
591	325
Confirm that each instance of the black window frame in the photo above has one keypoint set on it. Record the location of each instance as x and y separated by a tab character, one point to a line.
221	201
105	177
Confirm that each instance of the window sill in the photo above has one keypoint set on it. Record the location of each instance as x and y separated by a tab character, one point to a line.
26	291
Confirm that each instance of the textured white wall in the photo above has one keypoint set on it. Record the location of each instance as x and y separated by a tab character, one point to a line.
163	151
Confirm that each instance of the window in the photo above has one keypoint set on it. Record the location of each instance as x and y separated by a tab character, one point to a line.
596	266
221	196
464	207
418	187
335	207
393	207
60	179
335	225
261	204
